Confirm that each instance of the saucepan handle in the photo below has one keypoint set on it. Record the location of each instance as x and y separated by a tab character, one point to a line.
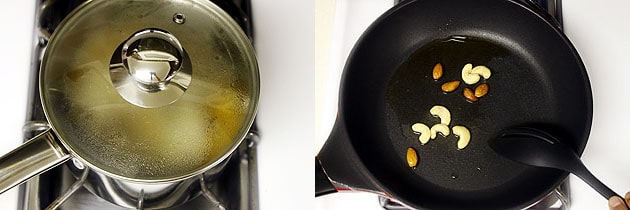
34	157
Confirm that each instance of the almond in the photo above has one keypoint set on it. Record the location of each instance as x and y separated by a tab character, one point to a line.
450	86
438	71
469	95
412	157
481	90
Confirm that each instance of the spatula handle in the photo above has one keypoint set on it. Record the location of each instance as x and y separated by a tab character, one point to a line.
584	174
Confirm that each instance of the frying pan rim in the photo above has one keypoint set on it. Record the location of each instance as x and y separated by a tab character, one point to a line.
542	19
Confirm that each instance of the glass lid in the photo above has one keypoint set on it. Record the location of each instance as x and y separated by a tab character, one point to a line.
150	90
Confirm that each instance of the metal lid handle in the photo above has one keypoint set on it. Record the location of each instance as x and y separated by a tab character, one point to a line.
152	58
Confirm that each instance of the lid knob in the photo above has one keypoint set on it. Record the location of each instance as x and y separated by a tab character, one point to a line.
152	58
150	69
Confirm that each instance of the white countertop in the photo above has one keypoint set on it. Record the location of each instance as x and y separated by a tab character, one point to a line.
284	41
16	41
284	36
599	31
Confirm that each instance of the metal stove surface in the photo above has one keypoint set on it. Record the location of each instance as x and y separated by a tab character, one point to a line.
235	187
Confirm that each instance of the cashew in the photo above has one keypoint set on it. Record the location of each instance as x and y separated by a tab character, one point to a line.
481	70
442	113
467	75
441	128
464	136
424	131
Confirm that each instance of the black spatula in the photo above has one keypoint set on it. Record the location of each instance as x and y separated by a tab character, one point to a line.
537	148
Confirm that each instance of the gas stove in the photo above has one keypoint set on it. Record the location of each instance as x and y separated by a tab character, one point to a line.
349	18
233	186
282	29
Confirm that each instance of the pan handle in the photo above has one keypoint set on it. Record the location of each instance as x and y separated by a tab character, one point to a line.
339	164
34	157
323	186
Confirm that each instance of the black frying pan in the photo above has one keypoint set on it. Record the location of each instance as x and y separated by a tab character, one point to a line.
538	80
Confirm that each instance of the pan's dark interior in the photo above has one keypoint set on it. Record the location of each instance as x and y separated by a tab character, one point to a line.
537	80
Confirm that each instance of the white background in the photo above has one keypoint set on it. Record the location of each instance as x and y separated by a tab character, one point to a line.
16	41
284	35
284	41
598	29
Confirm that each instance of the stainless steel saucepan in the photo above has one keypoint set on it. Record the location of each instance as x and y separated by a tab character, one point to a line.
146	95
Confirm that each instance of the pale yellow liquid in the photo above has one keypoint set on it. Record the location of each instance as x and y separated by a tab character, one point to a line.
147	142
